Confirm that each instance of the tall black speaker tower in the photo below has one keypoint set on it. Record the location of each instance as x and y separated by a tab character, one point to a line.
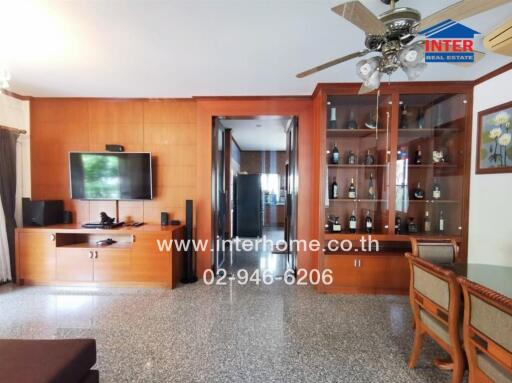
189	264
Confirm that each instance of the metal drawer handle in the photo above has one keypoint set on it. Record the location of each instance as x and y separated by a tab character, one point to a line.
52	237
90	254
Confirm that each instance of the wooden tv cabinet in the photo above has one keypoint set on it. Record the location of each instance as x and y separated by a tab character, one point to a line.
69	255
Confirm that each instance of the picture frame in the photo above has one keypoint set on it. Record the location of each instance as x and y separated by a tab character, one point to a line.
494	140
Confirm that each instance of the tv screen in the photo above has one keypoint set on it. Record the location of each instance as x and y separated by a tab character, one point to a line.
110	176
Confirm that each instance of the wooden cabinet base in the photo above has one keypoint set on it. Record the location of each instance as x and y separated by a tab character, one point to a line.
70	255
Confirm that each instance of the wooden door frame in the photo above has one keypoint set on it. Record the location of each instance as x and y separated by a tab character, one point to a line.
210	107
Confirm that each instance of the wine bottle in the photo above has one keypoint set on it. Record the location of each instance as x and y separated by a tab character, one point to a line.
352	190
351	158
417	156
336	226
418	192
436	190
352	222
368	222
404	119
411	226
335	155
334	189
351	123
371	188
427	225
441	222
398	224
420	121
369	159
332	119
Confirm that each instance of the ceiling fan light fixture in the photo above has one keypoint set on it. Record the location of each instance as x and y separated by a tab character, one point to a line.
373	82
366	68
413	72
412	55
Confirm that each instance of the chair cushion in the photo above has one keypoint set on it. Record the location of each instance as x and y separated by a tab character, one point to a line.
437	253
46	361
493	370
431	286
491	321
436	326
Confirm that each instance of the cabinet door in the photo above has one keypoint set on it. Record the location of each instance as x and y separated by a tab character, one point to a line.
148	263
344	270
36	256
112	265
74	265
385	272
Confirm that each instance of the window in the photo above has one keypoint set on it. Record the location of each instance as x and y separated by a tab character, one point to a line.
270	184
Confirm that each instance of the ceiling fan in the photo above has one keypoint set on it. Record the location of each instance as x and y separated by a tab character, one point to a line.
392	33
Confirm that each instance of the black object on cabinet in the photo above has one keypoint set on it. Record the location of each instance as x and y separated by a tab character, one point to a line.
248	209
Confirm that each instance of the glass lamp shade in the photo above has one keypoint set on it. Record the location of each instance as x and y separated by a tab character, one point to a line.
366	68
5	76
412	55
413	72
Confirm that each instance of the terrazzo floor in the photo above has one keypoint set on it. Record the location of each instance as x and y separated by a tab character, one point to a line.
231	333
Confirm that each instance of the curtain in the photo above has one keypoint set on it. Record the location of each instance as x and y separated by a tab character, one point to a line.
5	260
8	195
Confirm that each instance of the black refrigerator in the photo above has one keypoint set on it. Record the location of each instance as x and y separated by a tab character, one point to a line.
248	206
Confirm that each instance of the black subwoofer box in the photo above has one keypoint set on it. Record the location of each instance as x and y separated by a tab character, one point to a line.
42	212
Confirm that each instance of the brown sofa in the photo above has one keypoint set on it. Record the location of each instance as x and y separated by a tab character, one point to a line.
48	361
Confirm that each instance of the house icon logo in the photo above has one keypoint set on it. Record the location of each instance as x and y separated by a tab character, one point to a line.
449	41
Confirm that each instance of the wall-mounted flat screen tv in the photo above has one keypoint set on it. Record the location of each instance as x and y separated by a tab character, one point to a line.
110	176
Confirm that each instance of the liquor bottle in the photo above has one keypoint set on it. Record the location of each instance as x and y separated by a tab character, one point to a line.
351	158
368	222
417	192
427	224
417	156
420	121
436	190
351	123
352	222
352	190
369	159
335	155
332	119
336	226
334	189
404	119
441	222
398	224
411	226
371	188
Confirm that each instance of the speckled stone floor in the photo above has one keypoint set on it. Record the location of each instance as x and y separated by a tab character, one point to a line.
232	333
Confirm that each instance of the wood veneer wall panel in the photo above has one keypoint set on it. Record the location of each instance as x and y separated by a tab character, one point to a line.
167	128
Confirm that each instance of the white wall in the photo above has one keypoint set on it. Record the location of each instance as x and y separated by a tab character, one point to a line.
15	113
490	212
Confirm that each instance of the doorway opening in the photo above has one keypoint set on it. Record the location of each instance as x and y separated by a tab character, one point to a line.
254	194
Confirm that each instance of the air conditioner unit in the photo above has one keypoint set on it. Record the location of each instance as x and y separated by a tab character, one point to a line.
500	40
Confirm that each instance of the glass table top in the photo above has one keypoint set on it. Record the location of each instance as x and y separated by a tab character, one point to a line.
496	278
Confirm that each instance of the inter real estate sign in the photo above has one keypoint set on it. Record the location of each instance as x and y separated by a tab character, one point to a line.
449	41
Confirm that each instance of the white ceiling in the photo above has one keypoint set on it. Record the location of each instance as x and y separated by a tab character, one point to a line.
258	134
183	48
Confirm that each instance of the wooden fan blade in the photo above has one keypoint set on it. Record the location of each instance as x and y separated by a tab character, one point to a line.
361	17
459	11
332	63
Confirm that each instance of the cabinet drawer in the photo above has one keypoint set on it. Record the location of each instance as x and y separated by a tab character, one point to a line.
344	270
384	272
112	265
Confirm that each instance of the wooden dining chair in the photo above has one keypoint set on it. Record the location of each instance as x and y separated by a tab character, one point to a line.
439	251
435	300
487	333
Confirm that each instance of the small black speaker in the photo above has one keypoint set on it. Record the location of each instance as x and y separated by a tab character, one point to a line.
189	270
164	218
114	148
26	212
68	217
47	212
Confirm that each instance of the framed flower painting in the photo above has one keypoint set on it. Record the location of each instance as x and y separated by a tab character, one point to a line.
495	140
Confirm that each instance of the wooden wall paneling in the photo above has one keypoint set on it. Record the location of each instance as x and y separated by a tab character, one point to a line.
207	108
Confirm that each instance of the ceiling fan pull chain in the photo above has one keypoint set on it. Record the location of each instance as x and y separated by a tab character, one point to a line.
377	116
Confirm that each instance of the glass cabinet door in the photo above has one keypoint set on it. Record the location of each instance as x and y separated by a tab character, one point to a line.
430	164
357	163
